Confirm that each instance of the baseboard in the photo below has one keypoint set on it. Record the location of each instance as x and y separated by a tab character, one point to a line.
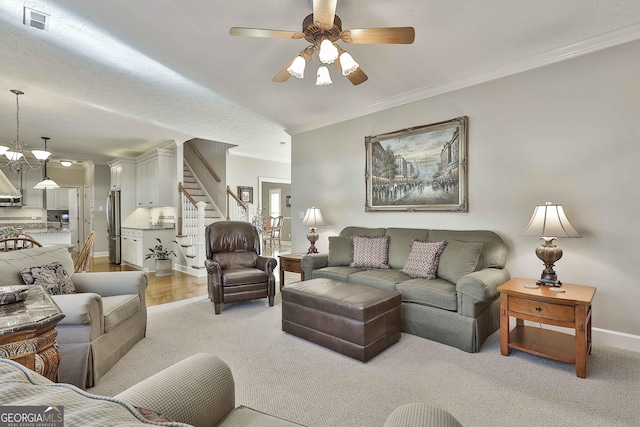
197	272
616	339
99	254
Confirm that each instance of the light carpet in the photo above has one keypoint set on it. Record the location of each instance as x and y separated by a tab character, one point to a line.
289	377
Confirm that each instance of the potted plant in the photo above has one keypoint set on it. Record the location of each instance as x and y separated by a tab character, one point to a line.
162	256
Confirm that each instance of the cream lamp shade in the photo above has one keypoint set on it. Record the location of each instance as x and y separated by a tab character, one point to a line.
549	222
312	219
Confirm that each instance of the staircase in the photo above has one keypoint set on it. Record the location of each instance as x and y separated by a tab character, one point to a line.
197	211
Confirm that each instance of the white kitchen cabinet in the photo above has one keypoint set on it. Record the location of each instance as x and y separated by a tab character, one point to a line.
136	244
132	247
123	173
155	179
57	199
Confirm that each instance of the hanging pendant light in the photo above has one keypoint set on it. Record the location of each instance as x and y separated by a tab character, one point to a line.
46	183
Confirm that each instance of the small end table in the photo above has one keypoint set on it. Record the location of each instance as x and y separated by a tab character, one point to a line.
291	263
28	332
568	309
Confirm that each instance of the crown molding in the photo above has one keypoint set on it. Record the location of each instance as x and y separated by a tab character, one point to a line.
613	38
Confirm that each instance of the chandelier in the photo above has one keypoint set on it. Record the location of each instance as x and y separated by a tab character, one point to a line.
16	161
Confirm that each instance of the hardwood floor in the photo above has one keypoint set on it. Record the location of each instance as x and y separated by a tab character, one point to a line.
178	285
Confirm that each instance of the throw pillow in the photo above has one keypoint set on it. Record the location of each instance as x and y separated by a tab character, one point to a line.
458	259
423	259
340	250
52	276
370	252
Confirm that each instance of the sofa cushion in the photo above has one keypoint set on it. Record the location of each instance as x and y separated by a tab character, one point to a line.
494	251
118	308
458	259
436	293
362	231
370	252
243	276
340	250
423	259
53	277
379	278
339	273
12	262
400	244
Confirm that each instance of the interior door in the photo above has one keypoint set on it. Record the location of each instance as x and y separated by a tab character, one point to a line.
74	218
88	213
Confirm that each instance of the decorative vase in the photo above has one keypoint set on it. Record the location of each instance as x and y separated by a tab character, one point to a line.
163	267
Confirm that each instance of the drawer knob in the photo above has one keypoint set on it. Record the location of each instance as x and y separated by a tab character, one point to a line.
538	308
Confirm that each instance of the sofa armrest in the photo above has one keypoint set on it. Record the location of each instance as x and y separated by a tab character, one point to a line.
112	283
479	288
198	390
312	262
81	309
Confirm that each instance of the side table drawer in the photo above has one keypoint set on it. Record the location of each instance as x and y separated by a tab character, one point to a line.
291	265
562	313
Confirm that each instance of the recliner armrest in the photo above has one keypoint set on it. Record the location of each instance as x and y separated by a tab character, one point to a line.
198	390
266	264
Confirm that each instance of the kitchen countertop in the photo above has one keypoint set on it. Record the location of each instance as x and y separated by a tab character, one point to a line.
48	230
163	227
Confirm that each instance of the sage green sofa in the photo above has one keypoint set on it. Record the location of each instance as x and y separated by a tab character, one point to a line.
459	308
103	320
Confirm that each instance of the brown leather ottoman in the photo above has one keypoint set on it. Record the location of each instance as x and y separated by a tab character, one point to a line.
356	320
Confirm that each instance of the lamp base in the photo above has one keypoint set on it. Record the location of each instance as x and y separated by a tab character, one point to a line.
547	282
312	236
549	254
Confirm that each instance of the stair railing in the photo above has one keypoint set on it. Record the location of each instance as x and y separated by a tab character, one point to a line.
191	226
238	211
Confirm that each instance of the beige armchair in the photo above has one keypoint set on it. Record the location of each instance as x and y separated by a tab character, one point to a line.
103	320
236	271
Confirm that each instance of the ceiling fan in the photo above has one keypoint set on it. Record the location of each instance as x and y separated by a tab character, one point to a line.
323	28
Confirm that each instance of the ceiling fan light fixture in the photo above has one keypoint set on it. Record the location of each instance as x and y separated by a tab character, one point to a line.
324	78
328	52
348	64
296	69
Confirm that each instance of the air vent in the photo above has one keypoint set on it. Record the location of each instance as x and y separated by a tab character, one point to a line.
35	19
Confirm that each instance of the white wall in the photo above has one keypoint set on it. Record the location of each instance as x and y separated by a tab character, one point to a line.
245	171
568	133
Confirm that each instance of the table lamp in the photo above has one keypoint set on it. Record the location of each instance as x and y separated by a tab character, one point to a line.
548	223
312	219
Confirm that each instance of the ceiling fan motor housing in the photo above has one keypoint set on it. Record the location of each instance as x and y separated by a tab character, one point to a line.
314	34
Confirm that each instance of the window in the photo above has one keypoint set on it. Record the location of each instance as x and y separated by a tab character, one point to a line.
274	202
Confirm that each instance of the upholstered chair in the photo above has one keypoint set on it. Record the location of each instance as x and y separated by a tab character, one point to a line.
236	271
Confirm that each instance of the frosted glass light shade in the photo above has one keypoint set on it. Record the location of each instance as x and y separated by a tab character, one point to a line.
328	52
41	154
66	163
46	184
296	69
324	78
3	149
348	64
13	155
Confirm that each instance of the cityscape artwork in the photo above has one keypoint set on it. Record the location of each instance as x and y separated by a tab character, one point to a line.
418	169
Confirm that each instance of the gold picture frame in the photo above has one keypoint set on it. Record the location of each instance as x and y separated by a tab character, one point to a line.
422	168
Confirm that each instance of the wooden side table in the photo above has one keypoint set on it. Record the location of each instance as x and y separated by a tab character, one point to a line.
291	263
569	309
28	332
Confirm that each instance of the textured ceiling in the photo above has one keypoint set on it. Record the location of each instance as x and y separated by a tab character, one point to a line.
116	78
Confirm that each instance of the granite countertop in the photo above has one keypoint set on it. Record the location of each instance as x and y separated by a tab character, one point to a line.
148	227
48	230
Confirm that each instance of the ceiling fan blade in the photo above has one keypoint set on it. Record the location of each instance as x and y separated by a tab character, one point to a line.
258	32
392	35
283	75
357	77
324	12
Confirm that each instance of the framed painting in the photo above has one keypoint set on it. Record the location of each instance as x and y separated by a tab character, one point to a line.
418	169
245	194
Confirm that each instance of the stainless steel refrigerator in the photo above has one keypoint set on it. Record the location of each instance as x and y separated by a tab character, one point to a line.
113	226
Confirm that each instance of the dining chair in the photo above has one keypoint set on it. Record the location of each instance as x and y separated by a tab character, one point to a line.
83	261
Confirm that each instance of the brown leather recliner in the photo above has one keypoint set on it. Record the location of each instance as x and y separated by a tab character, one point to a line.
236	271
